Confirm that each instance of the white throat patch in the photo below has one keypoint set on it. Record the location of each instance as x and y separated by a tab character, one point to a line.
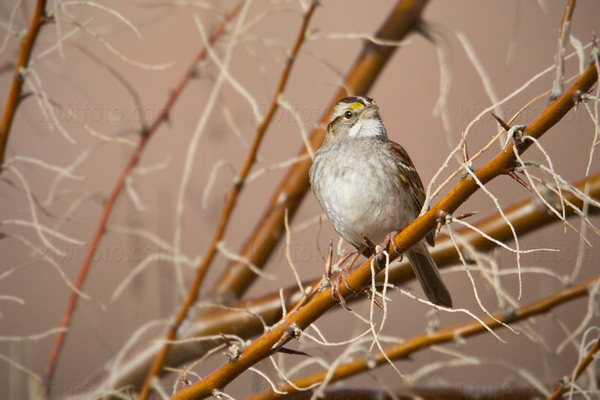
366	128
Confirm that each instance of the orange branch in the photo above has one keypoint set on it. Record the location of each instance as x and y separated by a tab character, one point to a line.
565	28
14	96
192	295
526	216
408	347
109	205
580	368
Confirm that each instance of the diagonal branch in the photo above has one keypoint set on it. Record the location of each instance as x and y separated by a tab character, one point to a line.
239	318
14	96
109	205
194	289
415	232
428	339
580	368
442	392
565	29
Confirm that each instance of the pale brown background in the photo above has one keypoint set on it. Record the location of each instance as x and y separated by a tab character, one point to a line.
513	39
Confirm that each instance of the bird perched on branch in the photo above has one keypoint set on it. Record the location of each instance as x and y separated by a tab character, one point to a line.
368	187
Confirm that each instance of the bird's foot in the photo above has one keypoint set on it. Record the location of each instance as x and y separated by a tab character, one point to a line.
368	244
346	263
389	239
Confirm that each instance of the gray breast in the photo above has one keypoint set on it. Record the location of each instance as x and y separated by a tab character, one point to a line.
360	190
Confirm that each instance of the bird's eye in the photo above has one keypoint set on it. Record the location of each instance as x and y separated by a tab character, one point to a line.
348	114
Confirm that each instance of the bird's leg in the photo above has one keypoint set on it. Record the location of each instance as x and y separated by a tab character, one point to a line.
342	260
389	238
378	251
341	276
369	244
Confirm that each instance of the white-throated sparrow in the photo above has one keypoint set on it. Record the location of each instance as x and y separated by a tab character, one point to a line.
368	186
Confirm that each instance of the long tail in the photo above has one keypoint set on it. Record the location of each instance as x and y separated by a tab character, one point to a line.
426	271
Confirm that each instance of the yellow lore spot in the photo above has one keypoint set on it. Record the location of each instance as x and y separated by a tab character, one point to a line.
356	105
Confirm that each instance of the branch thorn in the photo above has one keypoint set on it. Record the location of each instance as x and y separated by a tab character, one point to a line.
442	218
517	178
291	331
370	296
503	124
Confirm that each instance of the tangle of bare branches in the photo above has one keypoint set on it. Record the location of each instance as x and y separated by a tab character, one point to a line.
194	289
194	292
426	340
501	164
251	317
146	135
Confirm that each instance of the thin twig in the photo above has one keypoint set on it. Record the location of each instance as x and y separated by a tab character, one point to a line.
565	29
580	368
14	96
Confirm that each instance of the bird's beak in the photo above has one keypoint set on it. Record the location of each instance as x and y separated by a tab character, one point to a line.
371	111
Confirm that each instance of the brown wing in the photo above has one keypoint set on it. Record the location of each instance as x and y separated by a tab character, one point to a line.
410	178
